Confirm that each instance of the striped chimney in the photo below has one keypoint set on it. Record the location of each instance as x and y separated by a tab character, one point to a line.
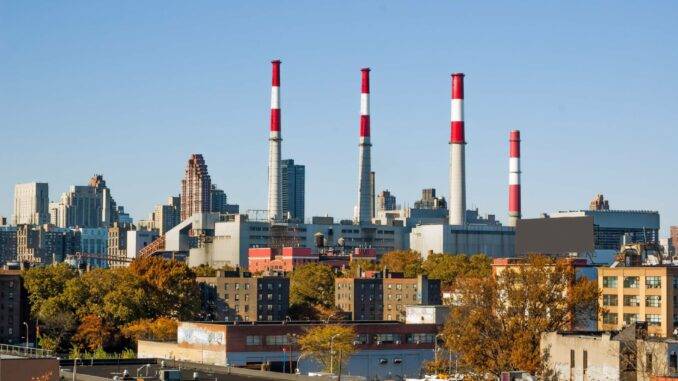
364	159
274	146
514	177
457	153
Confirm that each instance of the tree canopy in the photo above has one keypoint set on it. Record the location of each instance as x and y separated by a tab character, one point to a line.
89	310
328	343
404	261
499	320
447	267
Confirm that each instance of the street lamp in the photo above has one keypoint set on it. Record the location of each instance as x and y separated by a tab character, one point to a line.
332	353
298	371
26	324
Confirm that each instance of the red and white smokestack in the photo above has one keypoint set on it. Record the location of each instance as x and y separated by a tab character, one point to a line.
364	160
457	153
514	177
274	147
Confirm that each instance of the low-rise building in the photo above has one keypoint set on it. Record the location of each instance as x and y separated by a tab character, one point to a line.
138	239
384	350
639	286
239	296
383	295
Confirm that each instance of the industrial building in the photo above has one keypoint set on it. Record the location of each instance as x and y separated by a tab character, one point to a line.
384	350
460	236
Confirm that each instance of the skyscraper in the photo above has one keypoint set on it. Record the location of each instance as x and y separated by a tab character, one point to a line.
293	190
85	206
195	187
167	216
31	204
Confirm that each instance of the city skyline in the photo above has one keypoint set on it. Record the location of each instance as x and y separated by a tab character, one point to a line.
116	128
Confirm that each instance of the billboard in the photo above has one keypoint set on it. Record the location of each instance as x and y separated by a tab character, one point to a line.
554	236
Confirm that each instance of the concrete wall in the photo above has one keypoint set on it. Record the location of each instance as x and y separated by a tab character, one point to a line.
602	354
161	350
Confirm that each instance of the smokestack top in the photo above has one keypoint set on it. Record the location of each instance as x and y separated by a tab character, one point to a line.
276	72
514	147
457	85
365	88
457	135
275	99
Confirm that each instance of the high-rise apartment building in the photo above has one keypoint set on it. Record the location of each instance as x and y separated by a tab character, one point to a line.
86	206
15	309
293	190
238	296
383	296
7	244
167	216
196	187
31	204
117	244
385	201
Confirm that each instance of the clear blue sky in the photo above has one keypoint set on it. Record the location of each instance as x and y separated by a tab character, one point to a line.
129	89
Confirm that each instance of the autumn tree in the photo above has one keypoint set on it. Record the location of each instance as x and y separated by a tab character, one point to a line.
359	264
46	282
160	329
328	344
173	290
447	267
499	320
404	261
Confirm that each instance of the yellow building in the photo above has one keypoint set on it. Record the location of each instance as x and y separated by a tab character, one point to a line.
639	293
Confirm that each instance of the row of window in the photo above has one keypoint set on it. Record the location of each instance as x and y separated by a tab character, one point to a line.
651	319
634	282
363	338
632	300
246	297
246	286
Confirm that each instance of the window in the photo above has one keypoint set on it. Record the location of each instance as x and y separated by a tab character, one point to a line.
630	319
631	281
276	339
653	301
610	281
571	358
361	338
648	362
631	300
609	318
675	282
237	286
610	300
585	361
653	282
421	338
653	319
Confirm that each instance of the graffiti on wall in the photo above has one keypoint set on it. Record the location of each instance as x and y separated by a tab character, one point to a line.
195	335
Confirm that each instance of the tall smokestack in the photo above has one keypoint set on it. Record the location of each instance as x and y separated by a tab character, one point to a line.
274	143
514	177
457	153
364	165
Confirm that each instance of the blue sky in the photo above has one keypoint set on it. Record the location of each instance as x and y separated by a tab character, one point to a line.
129	89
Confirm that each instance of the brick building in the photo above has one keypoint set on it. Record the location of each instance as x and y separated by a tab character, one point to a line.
195	188
14	308
384	350
384	295
239	296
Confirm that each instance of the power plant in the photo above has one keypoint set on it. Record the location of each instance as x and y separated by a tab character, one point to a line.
459	231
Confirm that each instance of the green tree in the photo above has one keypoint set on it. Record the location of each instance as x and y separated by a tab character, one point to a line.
328	344
204	270
499	320
405	261
447	267
312	284
43	283
359	264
